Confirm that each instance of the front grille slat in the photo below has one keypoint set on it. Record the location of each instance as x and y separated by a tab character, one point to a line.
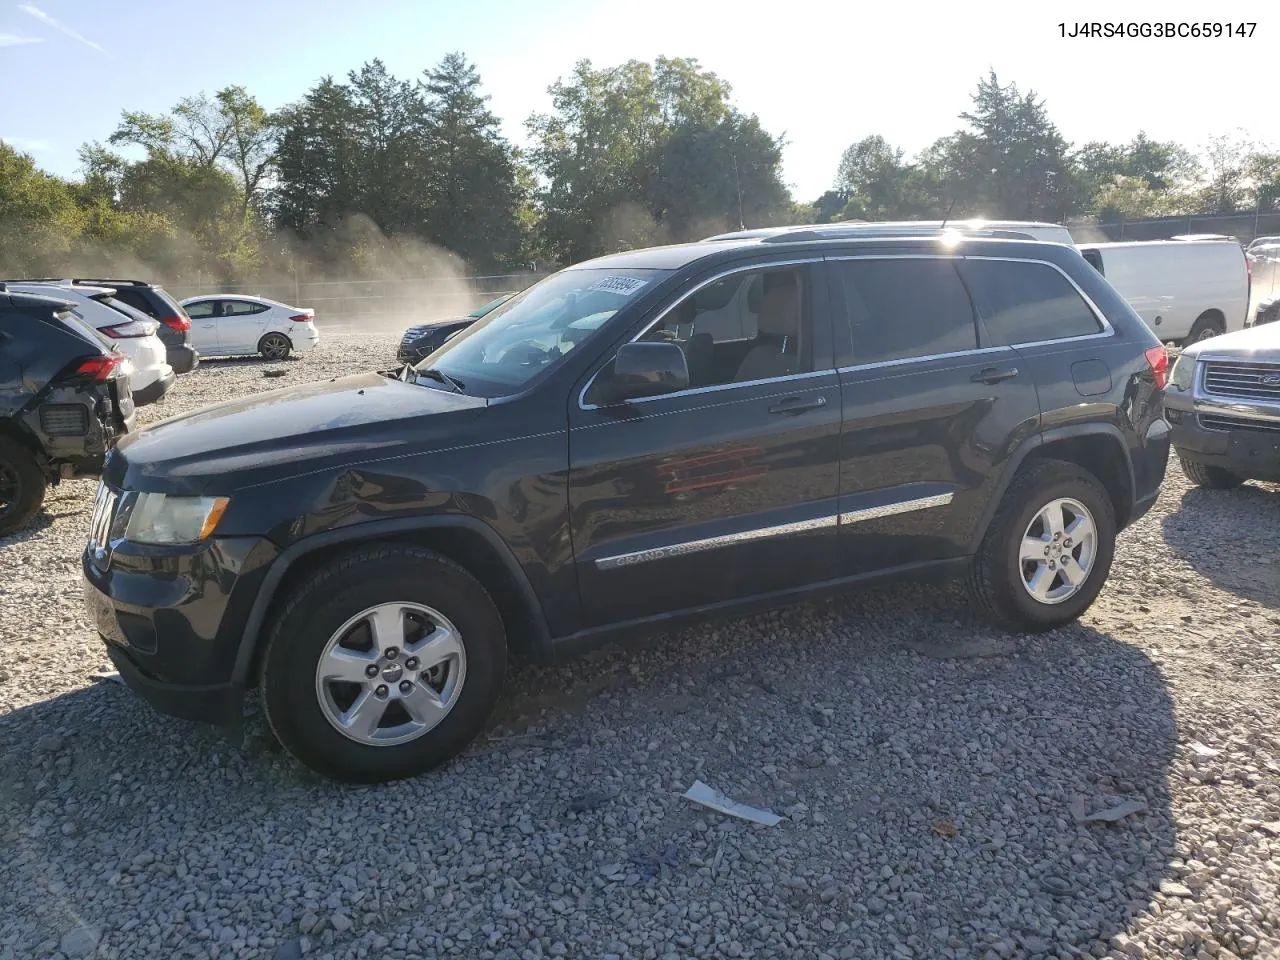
104	509
1216	421
1246	380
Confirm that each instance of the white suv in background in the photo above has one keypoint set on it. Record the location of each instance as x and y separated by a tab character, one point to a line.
231	325
132	332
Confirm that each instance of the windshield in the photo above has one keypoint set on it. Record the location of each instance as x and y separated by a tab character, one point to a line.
532	331
490	306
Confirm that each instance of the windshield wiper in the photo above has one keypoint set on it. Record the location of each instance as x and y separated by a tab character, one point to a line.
442	377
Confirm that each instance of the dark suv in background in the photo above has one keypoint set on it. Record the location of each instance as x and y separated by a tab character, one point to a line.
636	442
155	302
64	401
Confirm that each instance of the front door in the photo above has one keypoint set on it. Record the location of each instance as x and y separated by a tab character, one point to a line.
725	490
204	325
932	410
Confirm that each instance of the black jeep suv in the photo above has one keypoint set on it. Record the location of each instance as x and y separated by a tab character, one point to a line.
64	400
637	441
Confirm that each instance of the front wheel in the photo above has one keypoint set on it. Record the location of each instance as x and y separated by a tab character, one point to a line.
1205	328
1203	475
274	346
22	487
1048	550
383	665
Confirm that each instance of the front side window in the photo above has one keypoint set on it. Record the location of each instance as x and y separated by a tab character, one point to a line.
202	309
502	352
902	309
748	326
1025	302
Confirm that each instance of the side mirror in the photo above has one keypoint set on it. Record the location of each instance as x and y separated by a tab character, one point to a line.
646	369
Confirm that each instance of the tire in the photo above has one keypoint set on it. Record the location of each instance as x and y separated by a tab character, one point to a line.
275	346
301	708
1204	328
1214	478
22	486
997	579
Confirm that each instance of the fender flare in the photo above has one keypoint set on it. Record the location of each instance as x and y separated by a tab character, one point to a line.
366	533
1032	443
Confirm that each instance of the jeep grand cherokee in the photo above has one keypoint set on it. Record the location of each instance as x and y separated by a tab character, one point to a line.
637	441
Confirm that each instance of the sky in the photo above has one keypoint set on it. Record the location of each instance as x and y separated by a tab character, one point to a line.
822	74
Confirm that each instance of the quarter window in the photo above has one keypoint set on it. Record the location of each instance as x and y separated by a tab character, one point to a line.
900	309
1025	302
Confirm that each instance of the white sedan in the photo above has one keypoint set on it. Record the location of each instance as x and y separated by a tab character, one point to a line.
231	325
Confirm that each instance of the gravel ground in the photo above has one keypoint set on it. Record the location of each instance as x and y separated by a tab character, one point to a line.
936	778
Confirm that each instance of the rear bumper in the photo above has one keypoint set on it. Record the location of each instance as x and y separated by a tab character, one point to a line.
154	390
183	358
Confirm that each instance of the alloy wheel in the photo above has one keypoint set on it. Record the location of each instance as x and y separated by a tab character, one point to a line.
391	673
1058	551
275	346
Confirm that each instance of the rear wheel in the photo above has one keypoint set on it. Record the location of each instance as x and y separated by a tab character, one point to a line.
1048	551
274	346
22	486
1206	327
383	665
1203	475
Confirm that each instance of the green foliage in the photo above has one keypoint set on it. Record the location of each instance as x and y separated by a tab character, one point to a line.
645	153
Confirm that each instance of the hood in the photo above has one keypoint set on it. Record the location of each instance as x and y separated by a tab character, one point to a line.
425	328
289	431
1262	343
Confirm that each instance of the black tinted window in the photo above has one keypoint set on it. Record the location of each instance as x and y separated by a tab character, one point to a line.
136	300
1023	302
900	309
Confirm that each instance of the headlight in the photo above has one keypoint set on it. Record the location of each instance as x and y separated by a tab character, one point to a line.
1184	373
163	519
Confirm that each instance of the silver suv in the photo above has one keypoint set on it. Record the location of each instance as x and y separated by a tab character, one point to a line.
1223	400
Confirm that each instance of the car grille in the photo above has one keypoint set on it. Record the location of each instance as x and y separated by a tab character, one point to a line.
1242	379
413	333
1216	421
104	512
64	420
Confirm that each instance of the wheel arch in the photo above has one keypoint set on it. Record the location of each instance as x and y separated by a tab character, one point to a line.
1097	447
469	542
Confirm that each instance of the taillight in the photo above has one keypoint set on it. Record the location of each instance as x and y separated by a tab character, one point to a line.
302	318
175	322
127	331
100	368
1158	360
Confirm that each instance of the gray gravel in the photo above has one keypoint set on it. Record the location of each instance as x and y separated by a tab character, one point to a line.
936	778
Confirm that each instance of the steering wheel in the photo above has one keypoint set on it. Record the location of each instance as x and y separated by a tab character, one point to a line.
525	352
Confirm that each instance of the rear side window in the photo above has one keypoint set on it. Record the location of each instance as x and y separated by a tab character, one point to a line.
136	300
1025	302
241	308
902	309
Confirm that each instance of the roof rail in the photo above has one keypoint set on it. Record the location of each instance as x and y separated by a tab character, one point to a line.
101	281
870	230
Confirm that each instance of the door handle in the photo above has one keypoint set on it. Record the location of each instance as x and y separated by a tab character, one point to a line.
995	374
798	405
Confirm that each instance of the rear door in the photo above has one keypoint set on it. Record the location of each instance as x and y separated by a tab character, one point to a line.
1059	336
241	325
932	411
726	490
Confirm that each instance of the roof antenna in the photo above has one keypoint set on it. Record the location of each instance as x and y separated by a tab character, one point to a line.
948	216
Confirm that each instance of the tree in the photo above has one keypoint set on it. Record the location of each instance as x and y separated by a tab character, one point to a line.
472	191
317	160
641	153
39	219
875	178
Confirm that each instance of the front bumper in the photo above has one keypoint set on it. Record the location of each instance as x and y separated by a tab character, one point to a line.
1249	449
173	621
154	390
